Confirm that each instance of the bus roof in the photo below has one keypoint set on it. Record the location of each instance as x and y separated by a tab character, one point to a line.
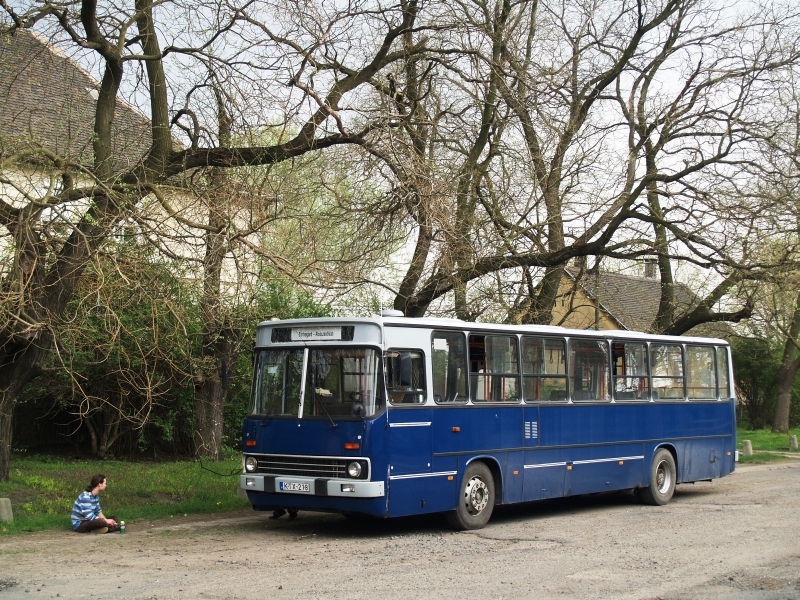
457	324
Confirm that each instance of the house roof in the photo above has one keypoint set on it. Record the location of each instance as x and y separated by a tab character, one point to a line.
48	99
631	301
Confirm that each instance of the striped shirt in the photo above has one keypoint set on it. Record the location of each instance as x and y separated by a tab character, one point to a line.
86	508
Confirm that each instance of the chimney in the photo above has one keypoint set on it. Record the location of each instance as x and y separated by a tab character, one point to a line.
650	270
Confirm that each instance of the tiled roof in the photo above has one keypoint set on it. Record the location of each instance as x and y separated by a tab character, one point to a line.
48	99
631	301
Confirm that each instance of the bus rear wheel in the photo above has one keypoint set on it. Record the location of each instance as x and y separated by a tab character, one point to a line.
662	479
476	500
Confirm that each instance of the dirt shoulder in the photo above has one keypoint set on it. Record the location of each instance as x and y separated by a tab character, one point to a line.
736	537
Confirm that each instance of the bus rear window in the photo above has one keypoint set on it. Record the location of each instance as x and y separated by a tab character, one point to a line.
724	388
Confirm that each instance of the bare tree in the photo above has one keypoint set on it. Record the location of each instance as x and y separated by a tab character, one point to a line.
607	130
273	59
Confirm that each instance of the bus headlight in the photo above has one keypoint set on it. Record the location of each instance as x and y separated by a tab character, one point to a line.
354	470
250	464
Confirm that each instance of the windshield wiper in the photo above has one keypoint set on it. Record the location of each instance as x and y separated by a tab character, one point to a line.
317	393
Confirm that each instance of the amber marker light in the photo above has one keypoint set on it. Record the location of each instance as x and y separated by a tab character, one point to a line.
456	429
569	467
250	443
516	472
449	478
352	446
622	462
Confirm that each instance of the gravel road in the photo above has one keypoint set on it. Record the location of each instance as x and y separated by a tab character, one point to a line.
736	537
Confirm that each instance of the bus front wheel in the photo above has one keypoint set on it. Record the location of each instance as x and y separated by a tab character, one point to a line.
476	500
662	479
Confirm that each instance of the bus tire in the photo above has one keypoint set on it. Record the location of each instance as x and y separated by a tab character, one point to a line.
662	479
476	500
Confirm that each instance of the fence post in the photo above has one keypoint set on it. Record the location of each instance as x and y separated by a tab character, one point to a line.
747	448
5	510
793	443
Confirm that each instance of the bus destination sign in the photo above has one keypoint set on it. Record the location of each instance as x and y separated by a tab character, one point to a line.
316	334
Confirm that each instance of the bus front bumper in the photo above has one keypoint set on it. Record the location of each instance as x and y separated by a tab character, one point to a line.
308	486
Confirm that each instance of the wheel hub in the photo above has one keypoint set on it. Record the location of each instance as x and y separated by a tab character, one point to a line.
476	495
663	477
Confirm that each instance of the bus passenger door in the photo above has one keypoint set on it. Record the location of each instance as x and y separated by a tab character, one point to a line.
411	484
545	474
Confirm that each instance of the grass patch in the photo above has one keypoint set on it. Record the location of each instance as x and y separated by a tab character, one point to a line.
763	458
765	445
764	439
42	490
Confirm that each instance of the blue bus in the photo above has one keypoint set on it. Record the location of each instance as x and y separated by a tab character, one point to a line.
391	416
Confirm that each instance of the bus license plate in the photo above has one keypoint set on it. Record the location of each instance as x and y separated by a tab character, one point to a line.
288	486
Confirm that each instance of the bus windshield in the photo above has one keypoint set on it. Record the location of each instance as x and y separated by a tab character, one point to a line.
339	383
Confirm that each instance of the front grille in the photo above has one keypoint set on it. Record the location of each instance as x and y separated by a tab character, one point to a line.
303	466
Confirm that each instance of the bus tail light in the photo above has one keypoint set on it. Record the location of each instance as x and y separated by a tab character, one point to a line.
250	443
352	446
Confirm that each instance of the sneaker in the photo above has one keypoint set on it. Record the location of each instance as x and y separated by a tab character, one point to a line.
100	530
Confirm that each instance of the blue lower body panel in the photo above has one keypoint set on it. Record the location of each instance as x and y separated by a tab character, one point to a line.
420	495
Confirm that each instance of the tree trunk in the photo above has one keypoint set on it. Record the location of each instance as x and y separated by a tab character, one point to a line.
17	370
92	436
211	389
786	374
5	442
209	403
784	402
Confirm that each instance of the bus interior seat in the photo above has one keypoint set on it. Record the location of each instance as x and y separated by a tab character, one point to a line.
558	394
625	395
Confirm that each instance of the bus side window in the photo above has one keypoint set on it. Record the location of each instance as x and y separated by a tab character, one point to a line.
494	368
544	373
667	369
701	376
629	369
449	358
588	370
405	376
